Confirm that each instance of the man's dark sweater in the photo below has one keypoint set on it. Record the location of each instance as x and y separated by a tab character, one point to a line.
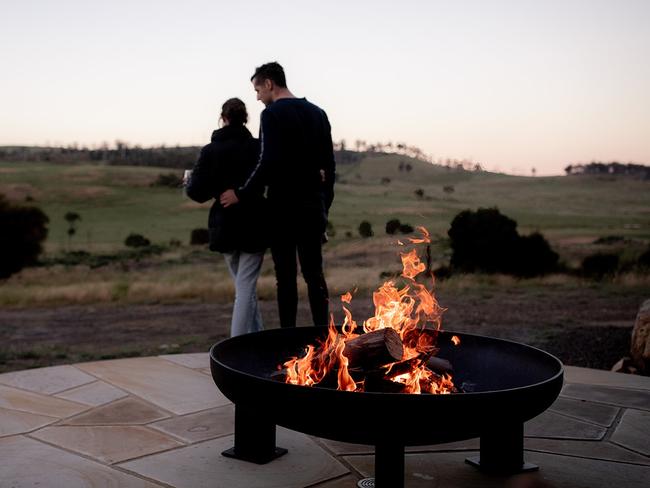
296	145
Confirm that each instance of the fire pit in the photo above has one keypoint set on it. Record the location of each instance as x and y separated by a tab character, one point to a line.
304	379
503	384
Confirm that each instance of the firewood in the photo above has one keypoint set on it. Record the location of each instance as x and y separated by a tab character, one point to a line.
439	365
374	349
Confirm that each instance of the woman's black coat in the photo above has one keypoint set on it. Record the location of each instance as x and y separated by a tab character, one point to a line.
226	163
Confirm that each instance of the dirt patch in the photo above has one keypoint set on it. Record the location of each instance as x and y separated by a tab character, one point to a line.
583	327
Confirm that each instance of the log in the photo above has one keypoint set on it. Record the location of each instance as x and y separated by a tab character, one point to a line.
439	365
374	349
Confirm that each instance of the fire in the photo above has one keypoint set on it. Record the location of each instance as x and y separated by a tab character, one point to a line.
412	311
455	340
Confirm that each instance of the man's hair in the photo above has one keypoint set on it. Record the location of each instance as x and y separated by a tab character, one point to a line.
235	111
270	71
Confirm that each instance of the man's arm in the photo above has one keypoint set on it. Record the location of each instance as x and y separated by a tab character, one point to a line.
267	162
329	165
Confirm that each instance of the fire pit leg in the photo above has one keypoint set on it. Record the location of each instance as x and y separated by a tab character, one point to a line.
254	437
389	465
502	451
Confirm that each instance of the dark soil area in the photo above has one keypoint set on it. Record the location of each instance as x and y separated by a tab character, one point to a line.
588	327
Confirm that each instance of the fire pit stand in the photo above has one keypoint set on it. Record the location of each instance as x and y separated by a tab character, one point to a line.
505	384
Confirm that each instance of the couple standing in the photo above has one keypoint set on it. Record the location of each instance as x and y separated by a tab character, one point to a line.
294	162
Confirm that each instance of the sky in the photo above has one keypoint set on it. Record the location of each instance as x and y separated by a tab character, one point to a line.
513	85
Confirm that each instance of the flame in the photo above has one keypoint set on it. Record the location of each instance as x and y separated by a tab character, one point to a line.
412	311
455	340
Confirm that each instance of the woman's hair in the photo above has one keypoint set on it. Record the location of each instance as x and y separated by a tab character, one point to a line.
235	111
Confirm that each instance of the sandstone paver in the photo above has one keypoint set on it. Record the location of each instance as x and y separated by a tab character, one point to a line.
28	463
201	426
96	393
49	380
553	425
202	465
574	374
15	399
195	361
14	422
448	470
587	449
126	411
592	412
612	396
634	431
110	444
175	388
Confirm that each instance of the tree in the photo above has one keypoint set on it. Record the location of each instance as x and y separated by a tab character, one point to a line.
365	229
487	241
22	231
392	226
136	240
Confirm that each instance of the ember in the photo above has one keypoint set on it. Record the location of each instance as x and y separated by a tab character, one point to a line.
395	352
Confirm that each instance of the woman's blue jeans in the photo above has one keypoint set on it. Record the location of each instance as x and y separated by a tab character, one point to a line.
245	269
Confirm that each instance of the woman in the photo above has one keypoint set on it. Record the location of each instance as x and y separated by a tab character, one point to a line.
236	231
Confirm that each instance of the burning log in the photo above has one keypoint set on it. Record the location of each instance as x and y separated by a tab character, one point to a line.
374	349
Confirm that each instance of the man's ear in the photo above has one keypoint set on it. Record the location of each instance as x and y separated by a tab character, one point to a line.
269	85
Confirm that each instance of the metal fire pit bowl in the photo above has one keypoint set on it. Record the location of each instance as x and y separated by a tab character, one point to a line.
505	384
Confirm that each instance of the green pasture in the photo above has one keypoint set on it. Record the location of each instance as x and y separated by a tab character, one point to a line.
114	201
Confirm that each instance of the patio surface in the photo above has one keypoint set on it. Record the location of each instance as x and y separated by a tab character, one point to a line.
161	422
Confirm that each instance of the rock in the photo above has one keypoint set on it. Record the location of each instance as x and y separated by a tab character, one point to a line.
640	350
624	365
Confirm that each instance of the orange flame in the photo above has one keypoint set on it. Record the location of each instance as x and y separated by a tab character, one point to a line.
407	310
455	340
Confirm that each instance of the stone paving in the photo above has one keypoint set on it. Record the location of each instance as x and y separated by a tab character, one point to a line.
161	422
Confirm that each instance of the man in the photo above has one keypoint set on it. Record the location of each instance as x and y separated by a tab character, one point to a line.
297	165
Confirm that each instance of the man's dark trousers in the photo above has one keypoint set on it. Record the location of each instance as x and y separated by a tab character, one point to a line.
307	244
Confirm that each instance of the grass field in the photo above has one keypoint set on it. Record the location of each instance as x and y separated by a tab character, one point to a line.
141	304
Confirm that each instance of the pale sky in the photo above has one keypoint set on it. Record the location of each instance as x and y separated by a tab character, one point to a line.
510	84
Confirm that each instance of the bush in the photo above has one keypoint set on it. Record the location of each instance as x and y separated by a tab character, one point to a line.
392	226
170	180
406	228
136	240
419	193
22	231
385	180
600	265
448	188
199	237
534	256
331	230
365	229
487	241
644	260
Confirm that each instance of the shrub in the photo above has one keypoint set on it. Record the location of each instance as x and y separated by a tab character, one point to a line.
136	240
482	241
419	193
199	237
448	188
608	240
644	260
392	226
599	265
22	231
365	229
534	256
487	241
170	180
385	180
406	228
